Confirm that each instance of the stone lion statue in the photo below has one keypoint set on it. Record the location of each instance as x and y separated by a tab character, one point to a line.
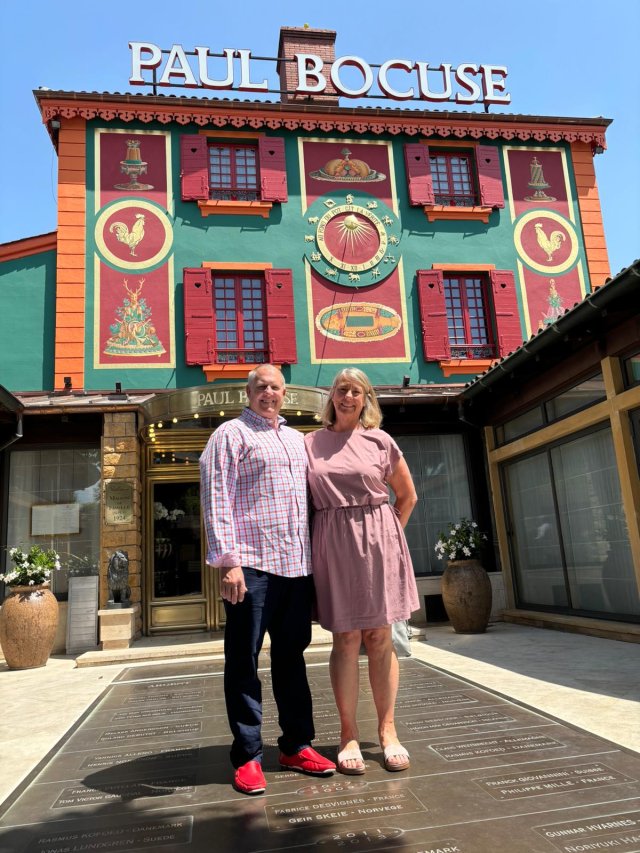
118	579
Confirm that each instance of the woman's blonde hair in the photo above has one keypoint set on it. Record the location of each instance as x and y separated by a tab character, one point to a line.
370	416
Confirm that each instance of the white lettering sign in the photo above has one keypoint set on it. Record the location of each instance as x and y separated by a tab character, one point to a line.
467	84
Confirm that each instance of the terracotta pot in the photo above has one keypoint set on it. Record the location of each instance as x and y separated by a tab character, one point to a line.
28	622
466	595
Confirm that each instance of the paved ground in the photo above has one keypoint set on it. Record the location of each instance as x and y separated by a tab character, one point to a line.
521	739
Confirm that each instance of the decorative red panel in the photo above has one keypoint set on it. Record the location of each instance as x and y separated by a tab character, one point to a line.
199	320
433	315
281	329
505	311
273	168
194	167
489	176
419	180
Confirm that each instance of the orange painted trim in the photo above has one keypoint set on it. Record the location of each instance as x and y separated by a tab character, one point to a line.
593	235
221	266
464	267
218	207
442	211
227	371
468	366
71	257
29	246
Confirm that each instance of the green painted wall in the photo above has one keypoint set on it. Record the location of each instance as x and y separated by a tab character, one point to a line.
279	240
27	322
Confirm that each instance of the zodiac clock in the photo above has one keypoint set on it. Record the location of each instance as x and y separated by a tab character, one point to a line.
355	241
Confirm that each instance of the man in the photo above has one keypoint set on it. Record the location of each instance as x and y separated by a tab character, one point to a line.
254	502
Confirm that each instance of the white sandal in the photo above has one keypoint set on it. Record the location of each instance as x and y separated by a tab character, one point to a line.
393	751
352	754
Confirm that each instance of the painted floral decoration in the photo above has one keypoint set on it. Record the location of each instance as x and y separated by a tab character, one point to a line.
462	541
31	568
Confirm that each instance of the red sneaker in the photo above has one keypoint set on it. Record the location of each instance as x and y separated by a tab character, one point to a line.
307	761
249	779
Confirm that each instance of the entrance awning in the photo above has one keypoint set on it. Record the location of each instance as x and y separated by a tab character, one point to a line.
11	410
226	401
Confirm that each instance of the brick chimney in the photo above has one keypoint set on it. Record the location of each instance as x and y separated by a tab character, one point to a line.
305	40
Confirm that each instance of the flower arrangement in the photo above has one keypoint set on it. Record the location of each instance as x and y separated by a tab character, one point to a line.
160	512
31	568
462	542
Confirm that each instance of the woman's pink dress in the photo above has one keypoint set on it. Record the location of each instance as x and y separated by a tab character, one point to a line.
361	563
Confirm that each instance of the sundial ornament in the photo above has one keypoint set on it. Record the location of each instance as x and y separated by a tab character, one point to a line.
355	239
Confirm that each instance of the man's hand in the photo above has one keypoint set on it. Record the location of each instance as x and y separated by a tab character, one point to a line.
232	585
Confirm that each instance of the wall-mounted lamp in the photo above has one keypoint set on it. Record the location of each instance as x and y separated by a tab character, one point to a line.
598	149
68	385
405	381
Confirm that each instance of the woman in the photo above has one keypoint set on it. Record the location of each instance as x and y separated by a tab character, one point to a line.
361	564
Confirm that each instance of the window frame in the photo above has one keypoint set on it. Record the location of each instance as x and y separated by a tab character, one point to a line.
234	191
470	199
244	353
489	345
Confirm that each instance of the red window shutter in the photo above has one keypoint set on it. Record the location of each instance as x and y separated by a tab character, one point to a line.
433	315
194	167
489	176
273	169
419	180
281	328
505	311
199	317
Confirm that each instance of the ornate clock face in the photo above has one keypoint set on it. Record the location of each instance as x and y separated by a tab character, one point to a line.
356	239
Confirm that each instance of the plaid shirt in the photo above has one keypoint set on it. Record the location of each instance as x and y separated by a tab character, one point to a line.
254	496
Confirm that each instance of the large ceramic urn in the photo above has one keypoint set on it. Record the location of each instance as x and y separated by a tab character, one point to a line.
466	595
28	623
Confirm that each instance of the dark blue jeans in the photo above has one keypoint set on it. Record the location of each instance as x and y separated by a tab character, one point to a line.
282	607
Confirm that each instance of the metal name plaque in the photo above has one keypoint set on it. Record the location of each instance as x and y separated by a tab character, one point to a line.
118	502
82	614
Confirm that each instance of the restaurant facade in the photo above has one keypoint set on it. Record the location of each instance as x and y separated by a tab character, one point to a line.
198	237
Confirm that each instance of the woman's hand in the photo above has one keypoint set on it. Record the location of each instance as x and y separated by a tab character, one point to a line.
402	486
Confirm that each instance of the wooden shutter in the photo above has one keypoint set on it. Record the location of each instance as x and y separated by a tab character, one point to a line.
273	169
199	316
419	180
281	329
433	315
194	167
505	311
489	176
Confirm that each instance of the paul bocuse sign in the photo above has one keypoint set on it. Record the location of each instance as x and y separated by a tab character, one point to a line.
467	84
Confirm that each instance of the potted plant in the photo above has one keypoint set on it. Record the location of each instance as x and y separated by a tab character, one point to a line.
29	615
466	588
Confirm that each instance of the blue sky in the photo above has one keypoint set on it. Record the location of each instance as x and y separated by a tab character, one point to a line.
565	58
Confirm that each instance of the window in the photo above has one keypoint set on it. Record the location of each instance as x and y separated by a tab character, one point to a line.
467	312
454	184
233	177
632	370
239	323
439	469
233	172
453	181
468	316
62	475
573	399
567	529
236	317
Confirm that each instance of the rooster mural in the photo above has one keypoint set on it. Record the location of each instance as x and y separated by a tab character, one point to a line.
549	244
136	235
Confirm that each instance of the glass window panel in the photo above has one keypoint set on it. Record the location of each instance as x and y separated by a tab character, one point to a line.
439	470
535	544
177	559
55	476
632	370
582	395
596	542
523	424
